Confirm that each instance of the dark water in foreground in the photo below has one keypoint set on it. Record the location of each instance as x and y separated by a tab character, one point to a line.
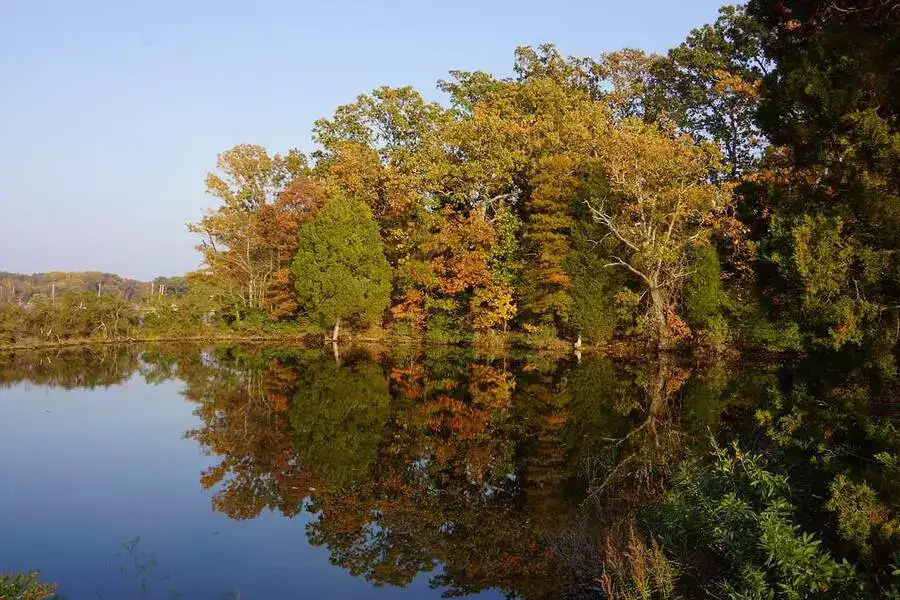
249	473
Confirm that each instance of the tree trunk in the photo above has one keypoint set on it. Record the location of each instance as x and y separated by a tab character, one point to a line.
658	318
659	393
337	330
659	386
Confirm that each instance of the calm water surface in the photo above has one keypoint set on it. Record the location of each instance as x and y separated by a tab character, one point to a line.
273	473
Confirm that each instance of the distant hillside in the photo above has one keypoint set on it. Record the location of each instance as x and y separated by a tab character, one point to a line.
18	287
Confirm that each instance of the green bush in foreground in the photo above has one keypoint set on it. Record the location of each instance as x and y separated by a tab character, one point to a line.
734	524
25	586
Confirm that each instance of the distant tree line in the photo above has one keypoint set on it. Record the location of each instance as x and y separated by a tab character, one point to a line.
59	306
19	288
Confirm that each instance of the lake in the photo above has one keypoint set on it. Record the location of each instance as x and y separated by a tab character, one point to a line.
262	472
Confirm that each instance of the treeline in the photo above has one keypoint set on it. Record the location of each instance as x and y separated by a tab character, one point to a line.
60	306
742	188
18	288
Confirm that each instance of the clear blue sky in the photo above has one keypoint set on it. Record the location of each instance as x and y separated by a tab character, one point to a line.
112	111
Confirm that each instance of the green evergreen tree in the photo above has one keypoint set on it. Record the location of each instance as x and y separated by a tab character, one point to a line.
704	299
827	203
595	314
340	271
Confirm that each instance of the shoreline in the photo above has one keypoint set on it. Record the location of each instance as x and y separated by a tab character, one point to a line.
87	342
623	349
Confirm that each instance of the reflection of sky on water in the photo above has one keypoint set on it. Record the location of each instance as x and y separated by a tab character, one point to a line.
86	471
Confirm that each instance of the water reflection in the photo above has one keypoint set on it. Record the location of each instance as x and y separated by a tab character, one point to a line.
406	465
531	476
74	368
140	571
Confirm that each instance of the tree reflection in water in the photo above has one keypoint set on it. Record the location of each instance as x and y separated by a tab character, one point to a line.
477	466
537	477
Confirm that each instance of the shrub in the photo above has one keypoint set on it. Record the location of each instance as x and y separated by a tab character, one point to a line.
25	586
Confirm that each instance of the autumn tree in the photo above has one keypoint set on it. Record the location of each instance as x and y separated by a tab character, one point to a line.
381	150
339	270
237	249
448	241
524	146
278	223
657	205
709	87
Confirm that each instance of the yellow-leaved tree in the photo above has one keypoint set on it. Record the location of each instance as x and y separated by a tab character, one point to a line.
658	205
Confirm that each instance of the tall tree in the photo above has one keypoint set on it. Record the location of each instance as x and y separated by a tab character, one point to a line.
524	147
237	253
657	206
381	150
708	86
340	271
278	223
